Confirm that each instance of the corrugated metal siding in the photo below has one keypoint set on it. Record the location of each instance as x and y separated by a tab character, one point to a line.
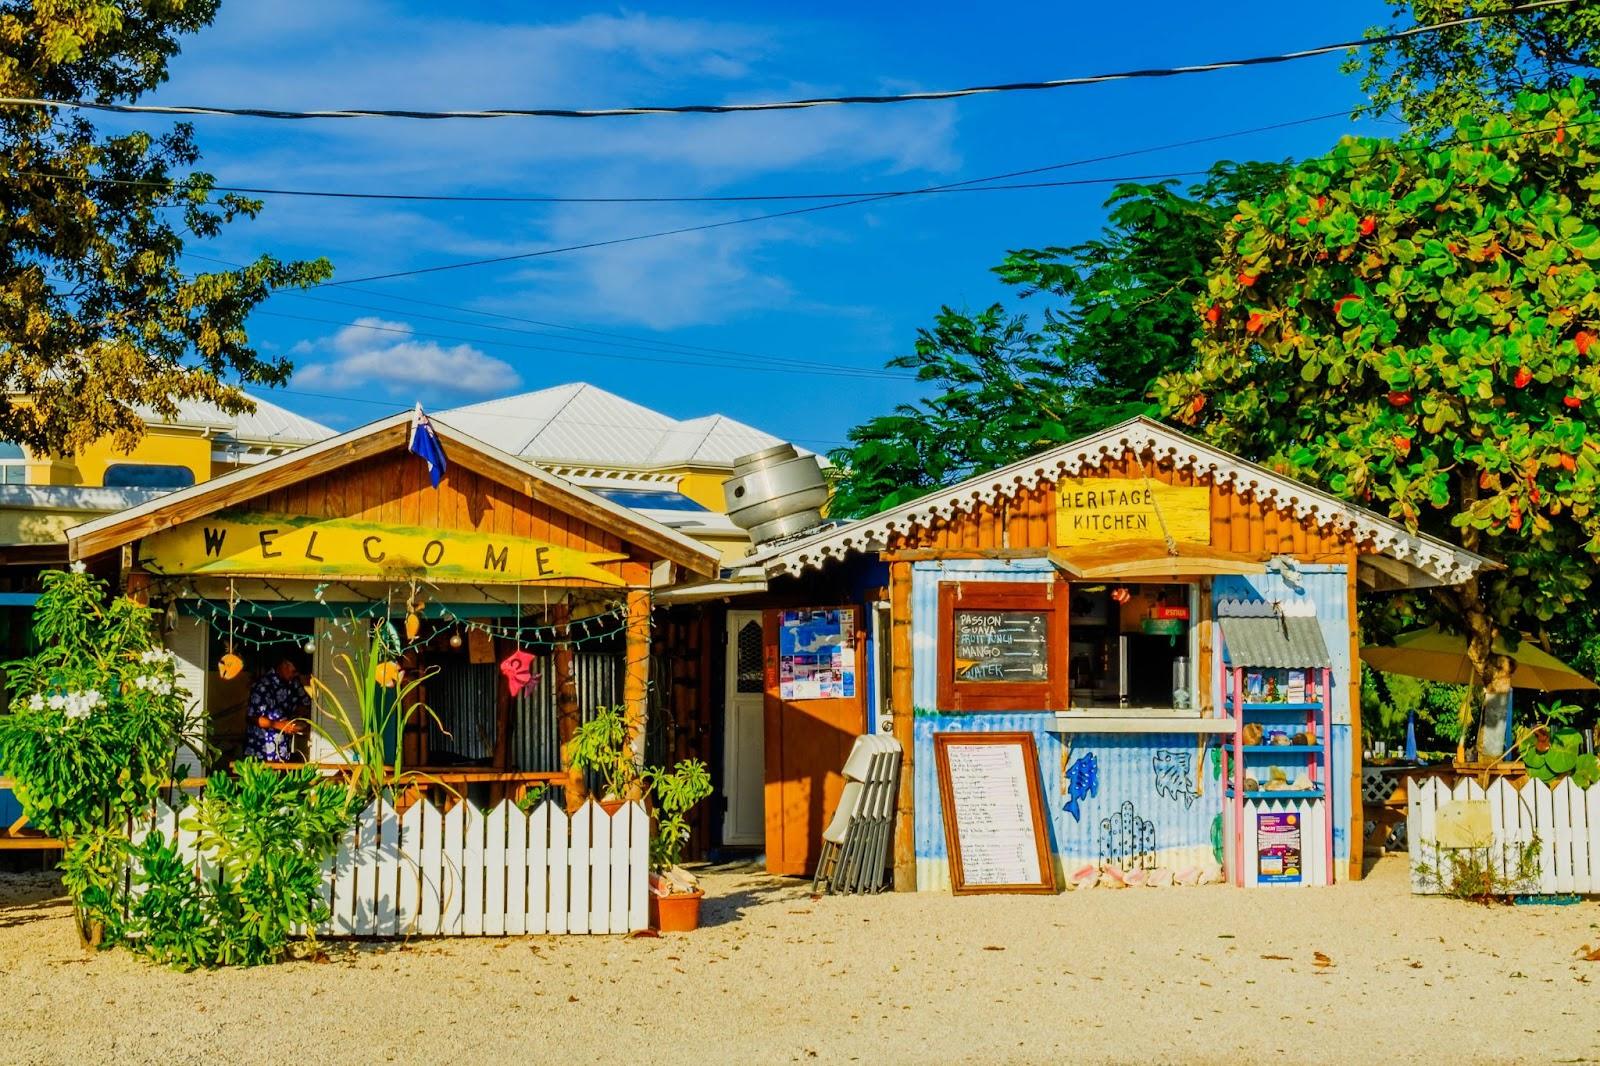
1324	588
1163	780
535	740
464	702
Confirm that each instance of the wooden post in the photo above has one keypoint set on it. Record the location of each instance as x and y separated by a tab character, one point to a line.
901	701
636	681
567	712
1357	835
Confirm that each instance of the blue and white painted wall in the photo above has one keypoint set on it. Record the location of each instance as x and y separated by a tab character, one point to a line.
1159	797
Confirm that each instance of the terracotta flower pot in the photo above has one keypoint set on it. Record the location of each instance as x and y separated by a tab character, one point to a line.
677	913
611	805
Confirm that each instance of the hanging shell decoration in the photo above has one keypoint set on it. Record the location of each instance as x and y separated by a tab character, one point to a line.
228	666
414	620
387	674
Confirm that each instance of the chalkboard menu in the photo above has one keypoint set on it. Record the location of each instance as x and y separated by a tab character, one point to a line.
1005	646
994	822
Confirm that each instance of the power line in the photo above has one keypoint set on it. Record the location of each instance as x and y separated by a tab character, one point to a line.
788	105
700	227
183	188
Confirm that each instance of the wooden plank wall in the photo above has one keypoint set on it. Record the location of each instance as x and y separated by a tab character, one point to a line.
1027	520
683	647
393	489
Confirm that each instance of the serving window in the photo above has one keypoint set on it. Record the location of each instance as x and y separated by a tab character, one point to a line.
1132	645
1002	646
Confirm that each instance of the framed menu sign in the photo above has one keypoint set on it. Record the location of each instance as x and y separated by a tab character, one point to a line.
1002	646
995	833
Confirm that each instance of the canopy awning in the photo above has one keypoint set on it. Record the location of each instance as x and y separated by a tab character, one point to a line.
1257	634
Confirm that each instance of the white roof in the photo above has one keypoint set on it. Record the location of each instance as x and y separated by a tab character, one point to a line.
1440	561
583	425
267	424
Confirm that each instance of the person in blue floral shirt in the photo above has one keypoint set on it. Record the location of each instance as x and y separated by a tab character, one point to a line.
278	702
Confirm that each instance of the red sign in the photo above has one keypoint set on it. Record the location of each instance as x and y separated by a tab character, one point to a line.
1179	613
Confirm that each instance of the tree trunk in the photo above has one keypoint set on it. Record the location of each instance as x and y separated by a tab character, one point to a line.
1475	619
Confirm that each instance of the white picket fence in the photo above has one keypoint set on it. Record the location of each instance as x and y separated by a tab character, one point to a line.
467	873
1565	820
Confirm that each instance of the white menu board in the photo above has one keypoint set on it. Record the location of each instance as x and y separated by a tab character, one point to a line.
994	821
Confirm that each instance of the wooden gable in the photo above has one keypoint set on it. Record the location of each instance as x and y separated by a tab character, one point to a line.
1232	524
363	506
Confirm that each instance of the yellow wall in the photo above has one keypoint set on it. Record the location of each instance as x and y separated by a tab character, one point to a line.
162	445
703	486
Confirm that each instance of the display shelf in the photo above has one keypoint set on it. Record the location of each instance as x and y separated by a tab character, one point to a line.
1289	749
1309	716
1258	708
1281	794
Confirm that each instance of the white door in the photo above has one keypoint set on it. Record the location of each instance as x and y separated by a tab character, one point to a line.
744	757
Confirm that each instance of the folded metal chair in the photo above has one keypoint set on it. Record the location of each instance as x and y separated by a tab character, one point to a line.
855	845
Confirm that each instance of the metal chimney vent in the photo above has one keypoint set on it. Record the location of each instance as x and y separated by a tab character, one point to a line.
776	493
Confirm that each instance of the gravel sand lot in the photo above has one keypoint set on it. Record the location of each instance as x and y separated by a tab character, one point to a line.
1208	975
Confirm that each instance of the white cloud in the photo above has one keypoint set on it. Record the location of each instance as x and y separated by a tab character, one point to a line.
374	353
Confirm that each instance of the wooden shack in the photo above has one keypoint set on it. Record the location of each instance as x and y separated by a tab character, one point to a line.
307	555
1172	627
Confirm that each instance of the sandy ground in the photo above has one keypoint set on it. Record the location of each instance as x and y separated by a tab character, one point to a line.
1183	975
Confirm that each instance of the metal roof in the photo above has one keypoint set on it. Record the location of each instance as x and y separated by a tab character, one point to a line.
267	424
1428	559
1259	634
581	424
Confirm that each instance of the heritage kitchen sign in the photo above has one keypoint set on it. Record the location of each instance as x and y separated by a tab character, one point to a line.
1103	510
251	543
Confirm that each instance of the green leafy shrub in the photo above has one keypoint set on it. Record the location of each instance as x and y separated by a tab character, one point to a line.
97	717
264	835
676	791
601	746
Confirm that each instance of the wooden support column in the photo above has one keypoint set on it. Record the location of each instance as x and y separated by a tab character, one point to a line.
1356	834
567	712
636	680
902	703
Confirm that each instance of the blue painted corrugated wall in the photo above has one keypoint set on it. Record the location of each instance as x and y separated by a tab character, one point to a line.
1161	783
1166	780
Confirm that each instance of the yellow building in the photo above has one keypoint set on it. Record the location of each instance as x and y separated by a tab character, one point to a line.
41	496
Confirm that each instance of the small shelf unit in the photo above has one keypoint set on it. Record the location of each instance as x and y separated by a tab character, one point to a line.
1311	716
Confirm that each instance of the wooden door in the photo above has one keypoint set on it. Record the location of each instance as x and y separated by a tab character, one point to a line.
744	756
807	741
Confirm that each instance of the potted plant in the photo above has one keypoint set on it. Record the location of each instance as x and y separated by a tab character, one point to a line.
675	895
600	746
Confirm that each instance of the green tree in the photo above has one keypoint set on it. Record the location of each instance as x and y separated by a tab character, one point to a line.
1118	314
96	317
1478	69
1411	326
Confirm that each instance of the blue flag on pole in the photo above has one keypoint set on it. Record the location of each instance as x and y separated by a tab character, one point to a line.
425	444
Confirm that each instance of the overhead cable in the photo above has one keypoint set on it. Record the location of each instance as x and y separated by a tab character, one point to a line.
785	105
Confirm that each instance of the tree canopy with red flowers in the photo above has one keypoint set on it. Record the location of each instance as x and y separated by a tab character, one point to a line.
1413	325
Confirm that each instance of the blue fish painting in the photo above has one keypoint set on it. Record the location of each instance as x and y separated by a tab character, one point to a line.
1083	782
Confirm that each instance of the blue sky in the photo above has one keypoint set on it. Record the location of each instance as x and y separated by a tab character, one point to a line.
847	287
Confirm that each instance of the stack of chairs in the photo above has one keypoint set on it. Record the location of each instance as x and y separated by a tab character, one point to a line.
855	846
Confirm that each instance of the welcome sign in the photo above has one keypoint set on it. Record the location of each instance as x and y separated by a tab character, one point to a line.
1103	510
248	543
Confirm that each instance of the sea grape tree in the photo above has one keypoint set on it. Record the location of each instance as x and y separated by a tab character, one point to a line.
1414	326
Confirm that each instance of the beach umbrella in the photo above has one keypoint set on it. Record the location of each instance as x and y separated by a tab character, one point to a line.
1411	736
1436	656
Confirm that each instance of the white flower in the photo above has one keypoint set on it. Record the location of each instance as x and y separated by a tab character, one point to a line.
57	701
156	656
78	567
36	702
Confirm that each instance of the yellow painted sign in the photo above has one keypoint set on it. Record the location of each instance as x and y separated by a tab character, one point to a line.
1104	510
250	543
